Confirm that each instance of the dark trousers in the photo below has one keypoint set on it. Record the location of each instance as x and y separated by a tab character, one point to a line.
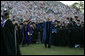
47	44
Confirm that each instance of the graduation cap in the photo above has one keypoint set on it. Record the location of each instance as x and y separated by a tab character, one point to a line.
5	12
78	20
21	23
76	16
71	18
56	21
67	18
13	20
74	22
28	20
16	24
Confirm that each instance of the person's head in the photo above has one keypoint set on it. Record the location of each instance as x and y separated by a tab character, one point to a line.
82	24
55	22
28	21
21	24
58	22
71	19
48	19
14	21
67	18
24	21
74	22
5	13
16	24
63	23
10	16
78	21
76	17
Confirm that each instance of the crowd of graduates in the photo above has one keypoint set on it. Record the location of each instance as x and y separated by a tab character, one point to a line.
67	33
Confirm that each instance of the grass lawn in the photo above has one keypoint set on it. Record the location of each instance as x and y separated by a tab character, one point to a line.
39	49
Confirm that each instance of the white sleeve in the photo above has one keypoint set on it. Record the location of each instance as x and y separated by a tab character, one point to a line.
28	33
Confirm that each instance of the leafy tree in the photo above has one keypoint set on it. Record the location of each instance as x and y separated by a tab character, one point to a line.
79	6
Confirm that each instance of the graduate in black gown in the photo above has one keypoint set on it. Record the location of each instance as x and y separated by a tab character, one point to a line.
10	47
54	32
34	35
64	34
25	34
30	31
71	28
20	32
2	47
17	38
58	39
78	36
39	27
82	34
41	31
79	33
48	30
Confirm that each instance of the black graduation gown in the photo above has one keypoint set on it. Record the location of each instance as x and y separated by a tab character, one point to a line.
82	36
54	35
2	47
34	35
71	30
48	34
63	36
66	32
20	35
8	38
18	41
40	31
25	36
78	35
58	39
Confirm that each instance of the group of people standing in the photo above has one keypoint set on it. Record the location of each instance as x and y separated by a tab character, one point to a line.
13	34
69	34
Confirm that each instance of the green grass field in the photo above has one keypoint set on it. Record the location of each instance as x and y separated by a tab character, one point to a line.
39	49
